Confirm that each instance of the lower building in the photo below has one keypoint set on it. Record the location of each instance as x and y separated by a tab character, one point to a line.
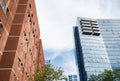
97	46
72	78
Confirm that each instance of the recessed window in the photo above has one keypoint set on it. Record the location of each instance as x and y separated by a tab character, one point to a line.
19	62
26	75
29	5
7	11
22	68
20	65
3	4
1	26
15	78
30	51
24	34
25	37
28	14
33	23
31	15
30	20
33	33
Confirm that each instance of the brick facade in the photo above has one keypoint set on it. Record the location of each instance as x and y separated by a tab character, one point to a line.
20	44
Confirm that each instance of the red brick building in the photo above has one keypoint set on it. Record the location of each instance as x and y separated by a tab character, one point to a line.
20	45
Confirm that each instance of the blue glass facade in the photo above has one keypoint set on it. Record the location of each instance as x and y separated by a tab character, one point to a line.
97	45
111	36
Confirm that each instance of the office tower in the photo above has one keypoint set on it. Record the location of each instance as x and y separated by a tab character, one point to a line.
97	43
20	46
72	78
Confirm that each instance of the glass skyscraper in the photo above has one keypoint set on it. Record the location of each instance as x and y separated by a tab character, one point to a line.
97	43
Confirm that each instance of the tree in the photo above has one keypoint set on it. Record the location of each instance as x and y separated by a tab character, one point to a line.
107	75
116	73
93	78
39	75
53	73
50	73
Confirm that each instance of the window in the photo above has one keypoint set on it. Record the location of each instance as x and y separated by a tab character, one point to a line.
1	28
3	4
19	62
7	11
20	65
30	51
26	75
15	78
25	37
30	6
28	14
30	21
1	25
34	24
33	33
24	34
31	15
22	68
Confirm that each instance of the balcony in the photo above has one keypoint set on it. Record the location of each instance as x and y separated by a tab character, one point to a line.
96	33
95	26
96	29
86	25
94	23
87	32
85	22
86	28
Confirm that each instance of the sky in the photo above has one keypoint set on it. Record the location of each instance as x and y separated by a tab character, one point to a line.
56	21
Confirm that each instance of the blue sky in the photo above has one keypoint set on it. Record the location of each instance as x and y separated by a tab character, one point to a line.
56	21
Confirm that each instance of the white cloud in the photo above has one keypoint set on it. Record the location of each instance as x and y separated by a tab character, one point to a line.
66	60
57	17
109	9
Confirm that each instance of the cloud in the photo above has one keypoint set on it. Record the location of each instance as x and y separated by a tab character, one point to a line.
109	8
66	60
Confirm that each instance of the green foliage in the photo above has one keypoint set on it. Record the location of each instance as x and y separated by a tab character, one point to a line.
93	78
116	73
50	73
39	75
107	75
53	73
